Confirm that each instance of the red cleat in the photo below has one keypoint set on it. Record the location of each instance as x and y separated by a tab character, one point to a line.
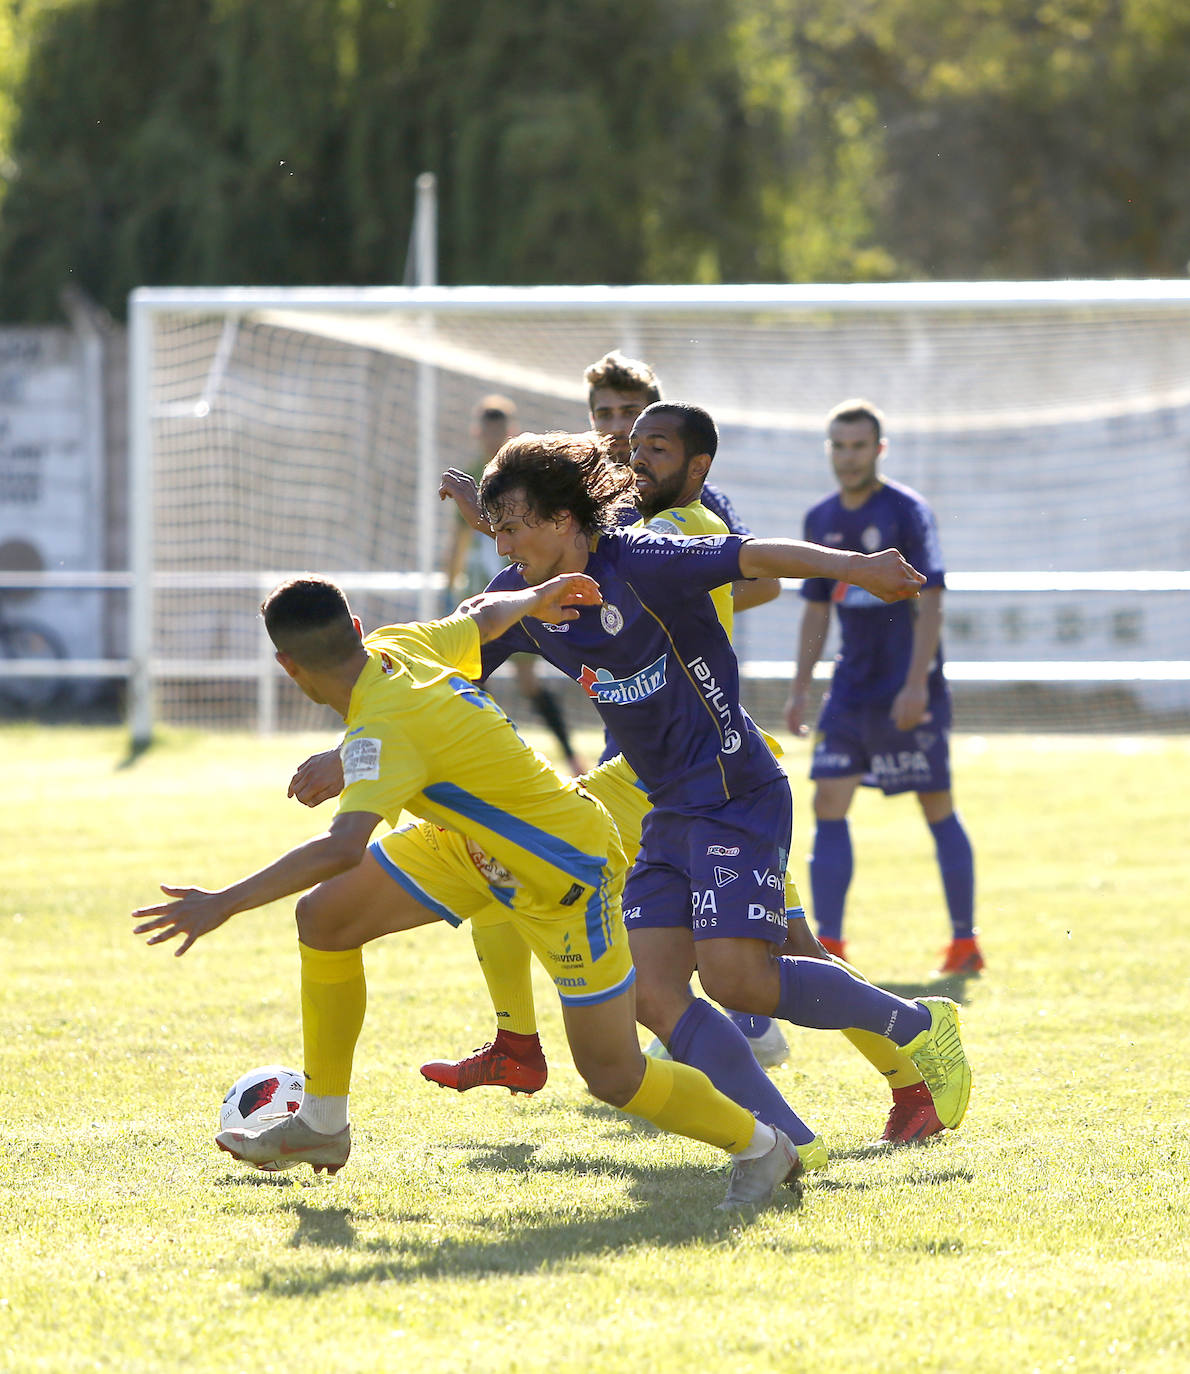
963	959
911	1120
488	1067
833	946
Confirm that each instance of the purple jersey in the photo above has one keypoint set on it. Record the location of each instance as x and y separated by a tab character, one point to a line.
877	638
657	665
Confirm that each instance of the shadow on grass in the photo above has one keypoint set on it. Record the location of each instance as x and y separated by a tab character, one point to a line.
957	988
666	1207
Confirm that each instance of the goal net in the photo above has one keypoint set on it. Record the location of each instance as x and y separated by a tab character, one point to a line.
1048	424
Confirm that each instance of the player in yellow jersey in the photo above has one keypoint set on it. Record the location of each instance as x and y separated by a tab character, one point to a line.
499	826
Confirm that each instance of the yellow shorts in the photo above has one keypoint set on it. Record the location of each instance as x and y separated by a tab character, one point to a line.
583	947
620	790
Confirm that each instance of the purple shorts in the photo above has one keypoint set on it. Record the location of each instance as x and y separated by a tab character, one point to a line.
720	873
862	739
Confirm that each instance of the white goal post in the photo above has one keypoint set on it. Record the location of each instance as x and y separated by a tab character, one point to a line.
1048	423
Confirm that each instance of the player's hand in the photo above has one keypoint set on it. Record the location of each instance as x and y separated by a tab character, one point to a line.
795	714
909	707
887	575
193	913
557	600
461	488
318	779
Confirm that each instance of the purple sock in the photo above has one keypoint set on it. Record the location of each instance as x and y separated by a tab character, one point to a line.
830	875
752	1026
956	863
827	997
706	1039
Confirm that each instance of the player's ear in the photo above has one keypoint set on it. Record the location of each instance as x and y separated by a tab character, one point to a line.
359	629
700	465
286	662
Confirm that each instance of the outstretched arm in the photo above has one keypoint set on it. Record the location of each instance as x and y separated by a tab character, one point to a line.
884	574
194	912
553	601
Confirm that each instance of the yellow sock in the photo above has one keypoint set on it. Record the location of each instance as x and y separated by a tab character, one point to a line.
334	997
890	1061
505	959
683	1100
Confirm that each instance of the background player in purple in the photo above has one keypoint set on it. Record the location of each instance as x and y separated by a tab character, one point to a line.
886	719
707	891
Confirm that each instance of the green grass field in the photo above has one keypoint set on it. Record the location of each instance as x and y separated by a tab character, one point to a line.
491	1233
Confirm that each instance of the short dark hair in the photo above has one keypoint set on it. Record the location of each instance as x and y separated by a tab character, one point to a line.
621	373
858	409
697	431
495	407
561	473
309	619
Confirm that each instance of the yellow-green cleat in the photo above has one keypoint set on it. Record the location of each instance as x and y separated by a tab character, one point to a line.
813	1154
941	1060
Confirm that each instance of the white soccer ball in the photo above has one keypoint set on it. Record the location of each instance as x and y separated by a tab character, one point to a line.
261	1096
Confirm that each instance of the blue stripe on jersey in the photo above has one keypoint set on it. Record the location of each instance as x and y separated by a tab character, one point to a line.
591	999
585	868
417	892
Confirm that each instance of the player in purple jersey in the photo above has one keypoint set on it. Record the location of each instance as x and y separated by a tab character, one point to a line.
618	389
886	719
706	892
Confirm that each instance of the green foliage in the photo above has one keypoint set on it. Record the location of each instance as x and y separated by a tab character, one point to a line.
489	1233
229	141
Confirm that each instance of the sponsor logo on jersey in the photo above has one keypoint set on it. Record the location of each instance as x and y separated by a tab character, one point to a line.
871	539
723	876
361	760
611	618
722	851
556	629
717	701
600	686
387	666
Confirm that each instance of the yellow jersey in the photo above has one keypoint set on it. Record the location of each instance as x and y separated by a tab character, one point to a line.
422	737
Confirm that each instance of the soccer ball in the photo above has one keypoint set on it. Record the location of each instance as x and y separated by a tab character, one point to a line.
261	1096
